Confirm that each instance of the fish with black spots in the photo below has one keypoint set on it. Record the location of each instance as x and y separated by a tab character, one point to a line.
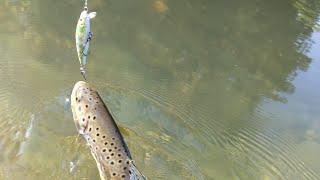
95	123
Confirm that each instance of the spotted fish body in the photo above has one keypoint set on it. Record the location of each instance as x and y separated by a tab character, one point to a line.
95	123
83	37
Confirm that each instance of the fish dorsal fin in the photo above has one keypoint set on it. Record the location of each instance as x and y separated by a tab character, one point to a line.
92	15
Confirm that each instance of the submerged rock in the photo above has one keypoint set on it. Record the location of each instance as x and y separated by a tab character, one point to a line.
160	6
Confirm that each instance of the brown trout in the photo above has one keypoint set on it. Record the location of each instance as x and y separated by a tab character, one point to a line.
95	123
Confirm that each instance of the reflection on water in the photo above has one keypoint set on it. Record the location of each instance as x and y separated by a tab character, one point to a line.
200	89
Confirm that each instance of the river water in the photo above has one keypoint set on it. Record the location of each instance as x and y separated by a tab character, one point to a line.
205	89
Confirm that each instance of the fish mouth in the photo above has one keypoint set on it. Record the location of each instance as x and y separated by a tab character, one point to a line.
77	86
80	84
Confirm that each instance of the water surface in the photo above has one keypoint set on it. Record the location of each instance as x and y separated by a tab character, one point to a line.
200	89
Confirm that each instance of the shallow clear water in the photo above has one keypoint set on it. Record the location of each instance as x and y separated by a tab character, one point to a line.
200	89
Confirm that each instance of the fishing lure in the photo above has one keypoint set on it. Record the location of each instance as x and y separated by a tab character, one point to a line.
83	37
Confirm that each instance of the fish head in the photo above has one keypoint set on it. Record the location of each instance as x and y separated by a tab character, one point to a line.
78	111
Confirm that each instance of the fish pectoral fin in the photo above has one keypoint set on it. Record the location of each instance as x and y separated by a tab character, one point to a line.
92	15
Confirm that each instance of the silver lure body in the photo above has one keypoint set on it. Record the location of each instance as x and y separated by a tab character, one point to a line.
83	36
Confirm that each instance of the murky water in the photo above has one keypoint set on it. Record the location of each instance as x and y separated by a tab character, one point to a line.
200	89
